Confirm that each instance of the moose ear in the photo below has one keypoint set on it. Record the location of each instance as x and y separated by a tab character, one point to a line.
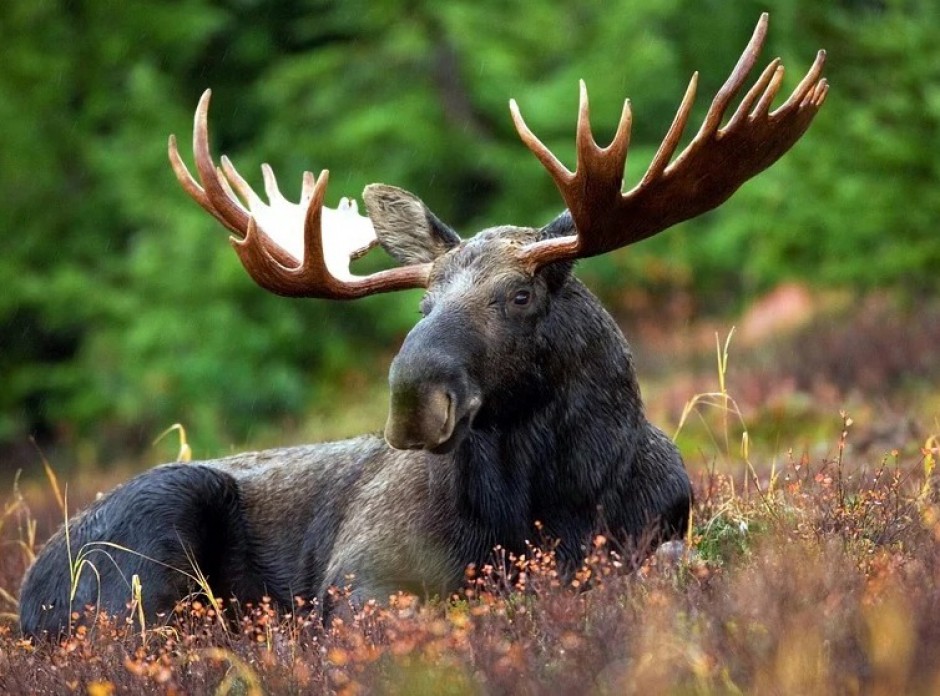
405	227
561	226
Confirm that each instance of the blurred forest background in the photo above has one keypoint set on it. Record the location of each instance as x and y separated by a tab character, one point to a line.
123	308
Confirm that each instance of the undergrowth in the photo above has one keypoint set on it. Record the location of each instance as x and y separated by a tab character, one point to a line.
825	581
800	574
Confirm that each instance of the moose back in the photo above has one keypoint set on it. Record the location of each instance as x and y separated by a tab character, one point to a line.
514	415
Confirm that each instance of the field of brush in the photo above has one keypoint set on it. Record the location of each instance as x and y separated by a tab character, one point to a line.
812	564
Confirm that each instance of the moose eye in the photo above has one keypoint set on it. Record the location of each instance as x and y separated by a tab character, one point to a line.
521	298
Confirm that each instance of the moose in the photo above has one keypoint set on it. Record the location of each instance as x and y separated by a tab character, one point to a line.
515	414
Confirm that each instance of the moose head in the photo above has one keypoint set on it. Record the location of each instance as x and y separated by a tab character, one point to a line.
489	297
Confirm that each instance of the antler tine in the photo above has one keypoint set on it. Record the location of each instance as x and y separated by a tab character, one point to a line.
189	184
819	93
270	183
773	71
558	171
238	182
810	81
704	175
669	144
767	98
736	79
589	154
584	138
227	208
314	257
620	145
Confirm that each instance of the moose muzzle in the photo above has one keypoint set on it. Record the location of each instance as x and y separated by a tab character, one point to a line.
433	400
421	418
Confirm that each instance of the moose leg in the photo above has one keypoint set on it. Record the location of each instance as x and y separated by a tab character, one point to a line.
654	502
671	490
166	526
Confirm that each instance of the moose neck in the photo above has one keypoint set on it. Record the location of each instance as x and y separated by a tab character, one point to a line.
547	447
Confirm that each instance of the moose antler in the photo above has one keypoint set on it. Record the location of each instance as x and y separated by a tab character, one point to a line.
296	250
706	173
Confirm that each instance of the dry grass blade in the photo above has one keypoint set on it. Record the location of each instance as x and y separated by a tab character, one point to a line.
241	678
8	598
51	476
185	453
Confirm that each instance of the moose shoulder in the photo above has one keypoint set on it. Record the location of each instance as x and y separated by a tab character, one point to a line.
515	412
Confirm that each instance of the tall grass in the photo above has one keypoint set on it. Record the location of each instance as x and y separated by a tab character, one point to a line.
802	574
831	589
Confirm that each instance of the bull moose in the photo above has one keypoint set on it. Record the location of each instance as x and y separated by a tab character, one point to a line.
515	412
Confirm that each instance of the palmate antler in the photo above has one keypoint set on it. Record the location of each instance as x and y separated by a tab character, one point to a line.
706	173
304	250
296	250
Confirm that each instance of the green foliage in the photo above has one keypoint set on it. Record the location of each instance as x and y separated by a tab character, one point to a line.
123	309
725	538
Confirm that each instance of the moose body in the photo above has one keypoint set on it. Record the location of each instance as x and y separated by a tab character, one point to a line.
515	414
565	445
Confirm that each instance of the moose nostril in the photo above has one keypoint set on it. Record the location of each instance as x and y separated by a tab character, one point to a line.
439	416
421	418
450	417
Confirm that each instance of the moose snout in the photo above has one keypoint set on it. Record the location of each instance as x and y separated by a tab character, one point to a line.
433	397
421	418
432	404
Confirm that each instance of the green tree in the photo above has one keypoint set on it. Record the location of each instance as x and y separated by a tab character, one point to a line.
124	310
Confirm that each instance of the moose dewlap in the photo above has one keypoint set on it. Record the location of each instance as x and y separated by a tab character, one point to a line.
515	413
